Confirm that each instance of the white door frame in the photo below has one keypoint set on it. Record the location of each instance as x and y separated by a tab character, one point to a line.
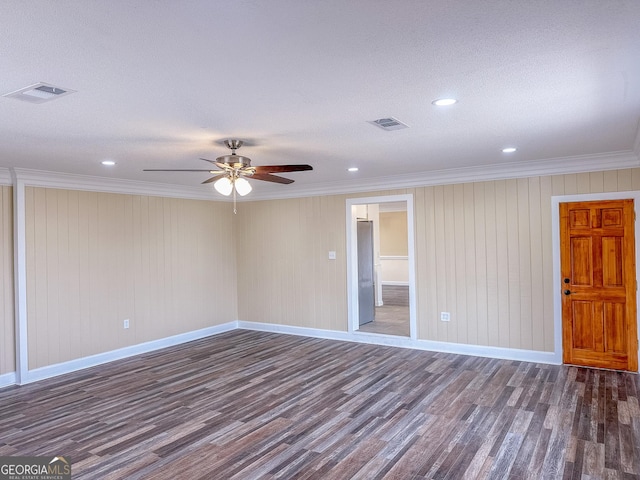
352	259
555	232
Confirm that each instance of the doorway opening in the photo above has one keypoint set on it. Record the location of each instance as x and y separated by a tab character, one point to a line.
380	253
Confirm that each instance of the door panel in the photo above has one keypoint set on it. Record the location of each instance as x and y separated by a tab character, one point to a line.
614	325
599	323
612	262
366	287
583	331
581	255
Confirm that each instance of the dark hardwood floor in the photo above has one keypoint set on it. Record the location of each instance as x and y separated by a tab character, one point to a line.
397	295
392	318
253	405
389	320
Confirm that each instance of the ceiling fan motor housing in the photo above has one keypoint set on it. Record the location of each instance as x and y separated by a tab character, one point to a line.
235	161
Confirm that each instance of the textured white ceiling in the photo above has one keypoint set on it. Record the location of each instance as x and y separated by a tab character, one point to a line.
161	83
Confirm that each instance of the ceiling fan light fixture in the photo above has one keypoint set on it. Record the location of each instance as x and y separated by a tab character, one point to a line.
242	186
224	186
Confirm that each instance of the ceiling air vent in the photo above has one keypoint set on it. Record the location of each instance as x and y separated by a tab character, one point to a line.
389	123
39	93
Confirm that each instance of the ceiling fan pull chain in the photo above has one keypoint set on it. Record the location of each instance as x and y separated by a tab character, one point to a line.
234	201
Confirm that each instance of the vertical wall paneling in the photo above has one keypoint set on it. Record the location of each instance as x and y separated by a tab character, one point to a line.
284	273
422	262
470	267
524	245
609	181
7	313
536	232
502	264
484	253
443	260
450	257
635	179
492	320
545	288
624	181
95	259
558	184
513	258
596	182
479	245
570	184
583	182
459	240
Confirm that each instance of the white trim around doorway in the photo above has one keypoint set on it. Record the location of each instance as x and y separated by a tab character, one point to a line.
352	260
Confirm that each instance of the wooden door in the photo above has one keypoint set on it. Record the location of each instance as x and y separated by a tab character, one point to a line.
597	256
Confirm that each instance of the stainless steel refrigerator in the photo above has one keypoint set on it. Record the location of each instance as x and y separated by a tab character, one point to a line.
366	287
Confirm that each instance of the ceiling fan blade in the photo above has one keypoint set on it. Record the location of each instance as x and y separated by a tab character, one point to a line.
217	164
267	177
282	168
214	178
178	170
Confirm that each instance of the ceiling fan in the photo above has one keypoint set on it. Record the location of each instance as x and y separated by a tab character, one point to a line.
233	171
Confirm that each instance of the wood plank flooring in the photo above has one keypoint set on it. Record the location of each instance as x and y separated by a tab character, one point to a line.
389	320
395	295
255	405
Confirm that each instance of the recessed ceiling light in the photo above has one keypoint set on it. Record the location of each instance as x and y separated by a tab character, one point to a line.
444	102
352	169
109	163
508	150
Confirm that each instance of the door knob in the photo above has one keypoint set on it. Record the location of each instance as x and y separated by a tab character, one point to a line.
567	292
566	280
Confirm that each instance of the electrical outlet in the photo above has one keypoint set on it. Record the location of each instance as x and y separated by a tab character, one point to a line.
332	255
445	316
126	323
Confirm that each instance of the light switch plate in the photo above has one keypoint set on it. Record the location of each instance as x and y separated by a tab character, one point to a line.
332	255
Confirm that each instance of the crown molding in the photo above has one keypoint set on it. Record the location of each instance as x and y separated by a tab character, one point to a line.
552	166
70	181
5	176
450	176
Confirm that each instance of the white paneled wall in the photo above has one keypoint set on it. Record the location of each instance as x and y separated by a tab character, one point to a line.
483	253
96	259
7	322
284	273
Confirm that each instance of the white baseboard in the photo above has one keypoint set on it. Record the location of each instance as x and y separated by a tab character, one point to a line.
533	356
7	379
49	371
394	283
94	360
